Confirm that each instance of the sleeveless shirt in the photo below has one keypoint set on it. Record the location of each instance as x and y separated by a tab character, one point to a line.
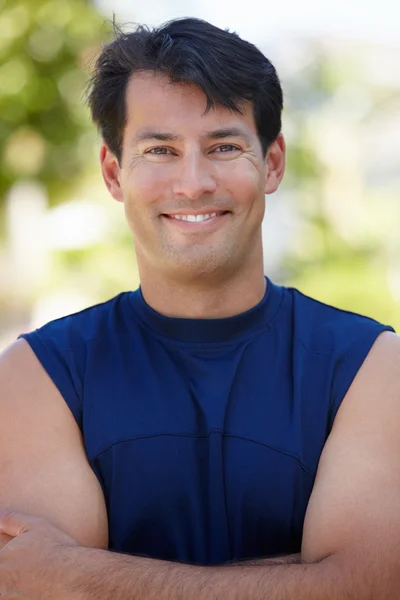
205	434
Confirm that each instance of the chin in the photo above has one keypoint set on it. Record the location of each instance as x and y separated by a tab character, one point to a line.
182	261
192	270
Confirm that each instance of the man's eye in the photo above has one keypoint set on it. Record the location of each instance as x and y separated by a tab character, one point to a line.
158	150
225	148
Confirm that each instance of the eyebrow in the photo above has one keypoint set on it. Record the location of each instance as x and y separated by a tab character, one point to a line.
156	135
216	134
228	132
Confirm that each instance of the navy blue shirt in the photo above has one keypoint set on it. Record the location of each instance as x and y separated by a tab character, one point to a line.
205	434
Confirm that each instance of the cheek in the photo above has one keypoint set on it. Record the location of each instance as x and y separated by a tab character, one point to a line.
242	180
143	190
145	184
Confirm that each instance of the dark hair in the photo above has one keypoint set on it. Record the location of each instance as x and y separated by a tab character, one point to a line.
228	69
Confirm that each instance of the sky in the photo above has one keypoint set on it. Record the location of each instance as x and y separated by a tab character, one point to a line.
259	21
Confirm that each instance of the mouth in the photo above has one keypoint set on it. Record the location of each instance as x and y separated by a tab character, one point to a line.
196	221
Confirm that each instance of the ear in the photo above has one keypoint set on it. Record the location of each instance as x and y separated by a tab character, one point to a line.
275	164
111	172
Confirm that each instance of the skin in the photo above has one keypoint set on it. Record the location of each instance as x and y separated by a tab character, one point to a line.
54	524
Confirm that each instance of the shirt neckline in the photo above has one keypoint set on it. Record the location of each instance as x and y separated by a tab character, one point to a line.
222	330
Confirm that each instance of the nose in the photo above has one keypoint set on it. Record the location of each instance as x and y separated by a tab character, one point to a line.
195	177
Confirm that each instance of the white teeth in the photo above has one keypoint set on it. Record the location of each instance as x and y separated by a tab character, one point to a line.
194	218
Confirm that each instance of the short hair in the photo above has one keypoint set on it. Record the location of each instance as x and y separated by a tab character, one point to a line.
228	69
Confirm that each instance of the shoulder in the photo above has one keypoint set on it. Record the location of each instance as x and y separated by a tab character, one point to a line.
379	376
84	324
371	406
61	348
327	329
381	369
374	394
341	339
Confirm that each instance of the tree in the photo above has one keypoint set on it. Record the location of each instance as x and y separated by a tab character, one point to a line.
45	49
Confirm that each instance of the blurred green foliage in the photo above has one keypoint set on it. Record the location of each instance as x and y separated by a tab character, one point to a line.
45	49
342	255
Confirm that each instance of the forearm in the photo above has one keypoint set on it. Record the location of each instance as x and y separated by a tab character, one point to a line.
109	576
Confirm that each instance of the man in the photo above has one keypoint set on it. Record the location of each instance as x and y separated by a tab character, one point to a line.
212	434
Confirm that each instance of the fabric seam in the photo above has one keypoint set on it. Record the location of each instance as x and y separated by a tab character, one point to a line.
190	435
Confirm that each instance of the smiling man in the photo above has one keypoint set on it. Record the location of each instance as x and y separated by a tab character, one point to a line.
211	435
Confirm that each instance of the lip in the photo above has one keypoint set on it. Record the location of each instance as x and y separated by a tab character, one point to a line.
203	211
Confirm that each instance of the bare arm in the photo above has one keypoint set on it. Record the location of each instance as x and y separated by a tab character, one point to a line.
44	470
101	575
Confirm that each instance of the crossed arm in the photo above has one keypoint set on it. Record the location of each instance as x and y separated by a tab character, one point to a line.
351	538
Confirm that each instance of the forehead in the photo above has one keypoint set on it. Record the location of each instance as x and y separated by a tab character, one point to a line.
152	101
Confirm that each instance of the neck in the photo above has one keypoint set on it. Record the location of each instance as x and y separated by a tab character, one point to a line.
204	299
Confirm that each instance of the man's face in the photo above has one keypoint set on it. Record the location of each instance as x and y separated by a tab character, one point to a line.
180	164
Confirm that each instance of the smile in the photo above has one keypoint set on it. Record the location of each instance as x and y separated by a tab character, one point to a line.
193	218
190	220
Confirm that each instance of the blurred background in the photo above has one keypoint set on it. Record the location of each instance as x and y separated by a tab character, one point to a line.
332	229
